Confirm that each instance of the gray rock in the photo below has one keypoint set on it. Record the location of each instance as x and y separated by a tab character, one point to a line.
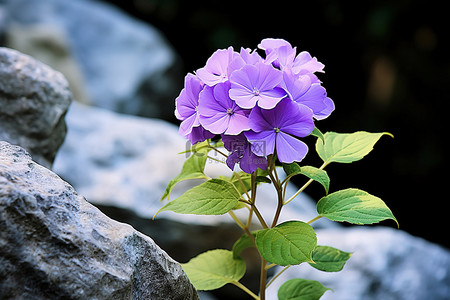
127	65
55	245
33	101
49	44
387	264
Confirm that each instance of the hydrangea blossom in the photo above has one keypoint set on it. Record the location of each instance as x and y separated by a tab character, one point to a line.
281	54
241	153
219	114
216	69
301	90
186	110
256	84
278	127
262	103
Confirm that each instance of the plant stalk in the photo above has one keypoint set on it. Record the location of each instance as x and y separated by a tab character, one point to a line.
304	186
262	281
276	183
313	220
245	289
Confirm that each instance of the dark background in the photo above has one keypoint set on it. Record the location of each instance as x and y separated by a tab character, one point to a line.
387	69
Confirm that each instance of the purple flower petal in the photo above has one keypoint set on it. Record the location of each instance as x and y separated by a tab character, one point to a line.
252	83
268	77
187	101
250	162
301	90
238	123
282	57
218	113
314	98
269	44
270	98
207	104
216	69
263	119
265	139
250	57
187	125
290	149
243	97
298	122
243	82
231	141
304	61
278	126
232	159
199	134
295	86
329	108
221	94
241	153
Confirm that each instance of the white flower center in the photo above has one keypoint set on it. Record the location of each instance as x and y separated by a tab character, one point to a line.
230	111
256	91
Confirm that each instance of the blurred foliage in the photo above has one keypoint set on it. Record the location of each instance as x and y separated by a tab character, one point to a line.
387	69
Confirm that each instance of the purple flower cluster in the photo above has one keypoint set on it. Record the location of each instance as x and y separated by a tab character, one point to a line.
259	106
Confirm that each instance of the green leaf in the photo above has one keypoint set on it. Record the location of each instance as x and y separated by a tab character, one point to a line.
347	147
242	243
289	243
329	259
234	179
317	133
213	197
193	167
246	180
319	175
301	289
241	187
292	169
262	179
354	206
201	146
213	269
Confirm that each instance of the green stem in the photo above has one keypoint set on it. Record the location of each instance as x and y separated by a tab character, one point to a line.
304	186
253	200
253	187
299	191
279	207
276	183
242	184
245	289
236	219
313	220
285	182
250	215
218	160
276	276
260	217
217	150
262	280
